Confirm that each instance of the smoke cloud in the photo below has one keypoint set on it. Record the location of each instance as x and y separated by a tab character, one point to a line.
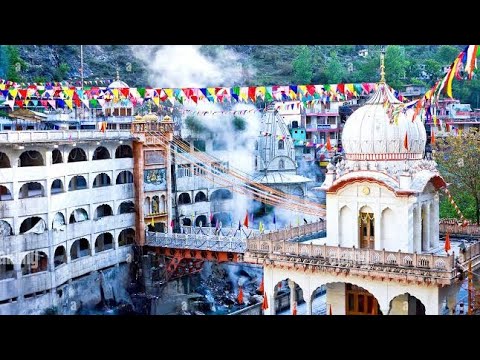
185	66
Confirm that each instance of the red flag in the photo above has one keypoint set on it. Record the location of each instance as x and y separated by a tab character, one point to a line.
240	296
330	312
432	136
447	242
405	142
171	223
328	145
261	288
265	302
245	221
294	308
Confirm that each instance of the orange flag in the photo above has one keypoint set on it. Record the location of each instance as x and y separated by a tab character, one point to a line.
260	289
432	136
265	302
240	296
447	242
328	145
245	221
405	142
330	312
294	308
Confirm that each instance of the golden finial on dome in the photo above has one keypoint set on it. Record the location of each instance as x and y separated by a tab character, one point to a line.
167	118
382	66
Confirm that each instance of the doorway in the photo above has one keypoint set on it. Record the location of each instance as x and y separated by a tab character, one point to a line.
367	229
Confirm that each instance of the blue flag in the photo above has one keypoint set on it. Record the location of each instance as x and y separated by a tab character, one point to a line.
274	220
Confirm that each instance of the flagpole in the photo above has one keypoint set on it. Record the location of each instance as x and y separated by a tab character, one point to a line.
81	64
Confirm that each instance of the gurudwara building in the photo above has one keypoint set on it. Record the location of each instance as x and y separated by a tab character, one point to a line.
381	254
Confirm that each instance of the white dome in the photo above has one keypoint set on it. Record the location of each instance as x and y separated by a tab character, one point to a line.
118	84
369	134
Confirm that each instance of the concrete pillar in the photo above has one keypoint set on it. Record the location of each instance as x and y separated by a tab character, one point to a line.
309	305
269	287
379	242
428	224
435	221
293	295
138	165
418	229
336	298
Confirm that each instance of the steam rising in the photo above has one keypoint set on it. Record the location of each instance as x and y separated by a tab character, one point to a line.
185	66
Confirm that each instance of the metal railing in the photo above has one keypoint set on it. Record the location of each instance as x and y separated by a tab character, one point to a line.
196	242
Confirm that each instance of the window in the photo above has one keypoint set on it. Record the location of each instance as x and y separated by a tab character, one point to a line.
306	150
281	144
281	165
184	170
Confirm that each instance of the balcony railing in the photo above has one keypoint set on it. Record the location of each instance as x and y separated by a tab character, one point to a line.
13	137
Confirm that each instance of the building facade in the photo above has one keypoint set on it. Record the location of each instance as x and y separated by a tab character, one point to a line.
66	211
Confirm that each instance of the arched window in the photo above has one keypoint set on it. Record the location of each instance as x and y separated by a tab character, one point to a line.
125	177
281	165
126	237
78	215
281	144
123	151
57	157
31	158
102	211
4	160
200	197
103	242
5	194
31	189
77	154
184	198
101	180
57	187
33	224
60	256
101	153
34	262
77	183
126	207
80	248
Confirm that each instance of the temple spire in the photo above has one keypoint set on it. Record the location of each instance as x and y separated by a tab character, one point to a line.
382	66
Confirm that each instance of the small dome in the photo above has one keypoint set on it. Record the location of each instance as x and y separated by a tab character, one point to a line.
370	134
167	118
150	117
138	118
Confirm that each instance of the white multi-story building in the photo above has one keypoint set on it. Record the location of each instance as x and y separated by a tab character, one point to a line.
66	210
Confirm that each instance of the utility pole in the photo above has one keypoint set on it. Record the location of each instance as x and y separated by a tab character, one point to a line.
81	64
470	289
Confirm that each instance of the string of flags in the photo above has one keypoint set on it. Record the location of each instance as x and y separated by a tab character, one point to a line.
460	214
63	95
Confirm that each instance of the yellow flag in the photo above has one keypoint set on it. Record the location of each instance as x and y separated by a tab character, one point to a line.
244	93
2	86
435	120
169	92
69	103
69	93
451	75
13	92
152	223
115	93
260	227
156	100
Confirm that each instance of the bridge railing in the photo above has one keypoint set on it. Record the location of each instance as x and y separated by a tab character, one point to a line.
196	242
224	231
337	254
292	233
453	227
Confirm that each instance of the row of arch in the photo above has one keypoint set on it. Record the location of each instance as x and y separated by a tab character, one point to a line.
37	261
217	195
77	215
34	158
78	182
358	301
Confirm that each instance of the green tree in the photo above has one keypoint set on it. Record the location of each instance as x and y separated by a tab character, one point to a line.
335	71
395	66
368	70
4	61
459	164
16	65
433	69
446	54
302	65
61	72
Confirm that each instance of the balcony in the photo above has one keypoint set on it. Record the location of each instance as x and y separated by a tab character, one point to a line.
35	136
36	282
399	266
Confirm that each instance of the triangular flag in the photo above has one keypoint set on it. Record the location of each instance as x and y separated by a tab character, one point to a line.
265	302
405	141
330	312
261	287
171	223
240	296
432	136
294	308
245	221
447	243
